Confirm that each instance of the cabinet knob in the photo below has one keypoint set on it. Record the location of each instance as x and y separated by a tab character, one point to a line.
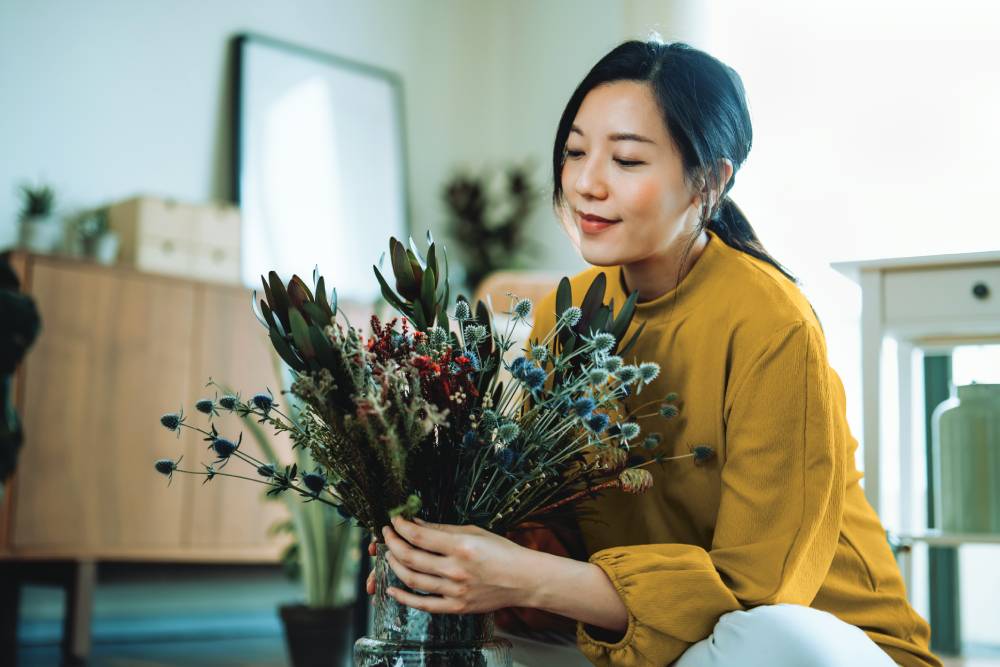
980	290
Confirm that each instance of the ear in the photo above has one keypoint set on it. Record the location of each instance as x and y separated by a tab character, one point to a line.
705	191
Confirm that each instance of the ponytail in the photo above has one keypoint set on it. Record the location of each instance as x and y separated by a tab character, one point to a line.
730	225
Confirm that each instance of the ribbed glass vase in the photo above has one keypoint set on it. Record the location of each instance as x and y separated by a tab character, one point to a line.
404	636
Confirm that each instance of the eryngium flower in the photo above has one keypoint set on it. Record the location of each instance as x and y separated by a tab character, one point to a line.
534	377
703	453
584	406
603	341
508	432
263	401
506	458
462	311
669	411
648	371
314	481
206	406
229	402
628	374
172	421
437	336
522	309
597	376
224	448
612	363
539	353
165	466
571	316
598	421
629	430
267	470
474	333
652	441
635	480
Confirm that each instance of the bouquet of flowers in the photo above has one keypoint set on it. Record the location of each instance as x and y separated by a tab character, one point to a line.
417	420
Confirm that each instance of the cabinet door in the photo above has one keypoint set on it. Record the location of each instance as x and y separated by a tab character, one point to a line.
114	353
233	349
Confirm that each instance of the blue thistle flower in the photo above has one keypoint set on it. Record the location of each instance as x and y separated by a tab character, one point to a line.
652	441
165	466
703	453
462	311
475	333
612	363
597	376
473	358
669	411
508	432
539	353
603	341
671	397
172	420
597	422
314	481
584	406
267	470
649	371
517	367
522	309
506	458
490	420
469	439
628	374
206	406
534	377
263	402
571	316
437	336
224	448
229	402
629	430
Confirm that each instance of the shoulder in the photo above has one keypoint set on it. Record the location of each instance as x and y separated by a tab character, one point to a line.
757	301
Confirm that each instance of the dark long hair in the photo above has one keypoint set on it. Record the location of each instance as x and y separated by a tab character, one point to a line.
704	107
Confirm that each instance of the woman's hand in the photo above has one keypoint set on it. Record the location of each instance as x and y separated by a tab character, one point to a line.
466	569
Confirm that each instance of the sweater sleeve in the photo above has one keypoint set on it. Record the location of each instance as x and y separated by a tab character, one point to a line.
779	514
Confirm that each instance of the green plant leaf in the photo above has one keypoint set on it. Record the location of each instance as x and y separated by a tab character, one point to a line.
406	282
427	295
300	334
285	352
279	299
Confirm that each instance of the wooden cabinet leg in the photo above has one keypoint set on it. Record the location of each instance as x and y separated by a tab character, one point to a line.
79	607
10	603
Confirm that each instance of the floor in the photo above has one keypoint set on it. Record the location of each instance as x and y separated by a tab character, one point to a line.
195	616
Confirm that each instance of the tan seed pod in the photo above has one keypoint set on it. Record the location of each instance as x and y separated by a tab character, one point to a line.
635	480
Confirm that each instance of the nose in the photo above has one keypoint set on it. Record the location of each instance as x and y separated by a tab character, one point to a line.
590	182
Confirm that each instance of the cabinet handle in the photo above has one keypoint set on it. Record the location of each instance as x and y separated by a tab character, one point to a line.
980	290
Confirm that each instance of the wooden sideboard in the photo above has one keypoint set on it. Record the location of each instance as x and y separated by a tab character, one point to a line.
118	348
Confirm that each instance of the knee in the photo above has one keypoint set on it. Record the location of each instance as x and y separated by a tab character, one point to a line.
786	634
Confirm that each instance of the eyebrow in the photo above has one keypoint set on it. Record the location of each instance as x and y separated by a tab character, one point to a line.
620	136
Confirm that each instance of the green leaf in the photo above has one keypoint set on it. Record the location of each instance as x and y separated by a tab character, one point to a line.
317	315
279	299
266	312
298	292
285	352
387	292
323	348
427	295
592	300
321	297
300	334
406	283
416	253
621	323
564	296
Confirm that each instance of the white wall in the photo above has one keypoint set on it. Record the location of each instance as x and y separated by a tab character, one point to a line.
111	98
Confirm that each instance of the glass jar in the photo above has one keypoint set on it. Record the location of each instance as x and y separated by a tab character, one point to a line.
405	636
966	460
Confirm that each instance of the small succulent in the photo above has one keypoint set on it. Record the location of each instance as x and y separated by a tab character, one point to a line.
38	202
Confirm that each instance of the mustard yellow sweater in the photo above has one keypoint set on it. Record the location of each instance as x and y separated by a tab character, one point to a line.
778	515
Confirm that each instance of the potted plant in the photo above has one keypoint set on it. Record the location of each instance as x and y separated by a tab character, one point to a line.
40	231
322	555
97	240
487	214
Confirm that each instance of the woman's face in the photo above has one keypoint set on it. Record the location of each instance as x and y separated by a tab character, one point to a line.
623	166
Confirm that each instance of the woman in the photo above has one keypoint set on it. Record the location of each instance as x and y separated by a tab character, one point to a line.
766	554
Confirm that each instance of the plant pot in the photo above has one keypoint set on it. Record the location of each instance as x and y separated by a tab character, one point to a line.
318	636
403	636
41	234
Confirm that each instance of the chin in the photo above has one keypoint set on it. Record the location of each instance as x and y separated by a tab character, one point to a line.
600	254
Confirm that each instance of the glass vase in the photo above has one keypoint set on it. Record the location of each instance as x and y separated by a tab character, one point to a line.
403	636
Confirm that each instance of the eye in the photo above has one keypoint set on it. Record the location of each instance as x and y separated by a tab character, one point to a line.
629	163
573	154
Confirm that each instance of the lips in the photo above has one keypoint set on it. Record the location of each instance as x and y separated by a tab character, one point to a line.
594	224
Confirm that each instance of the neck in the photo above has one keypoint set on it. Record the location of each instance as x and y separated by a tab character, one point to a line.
657	274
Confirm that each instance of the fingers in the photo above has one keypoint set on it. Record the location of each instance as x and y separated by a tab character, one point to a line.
426	536
422	582
416	558
371	548
370	584
431	603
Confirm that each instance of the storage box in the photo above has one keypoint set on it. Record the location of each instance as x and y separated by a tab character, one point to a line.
199	241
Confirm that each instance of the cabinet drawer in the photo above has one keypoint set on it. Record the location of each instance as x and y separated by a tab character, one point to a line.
970	292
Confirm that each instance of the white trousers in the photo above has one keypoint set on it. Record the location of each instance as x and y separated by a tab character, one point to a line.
782	635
